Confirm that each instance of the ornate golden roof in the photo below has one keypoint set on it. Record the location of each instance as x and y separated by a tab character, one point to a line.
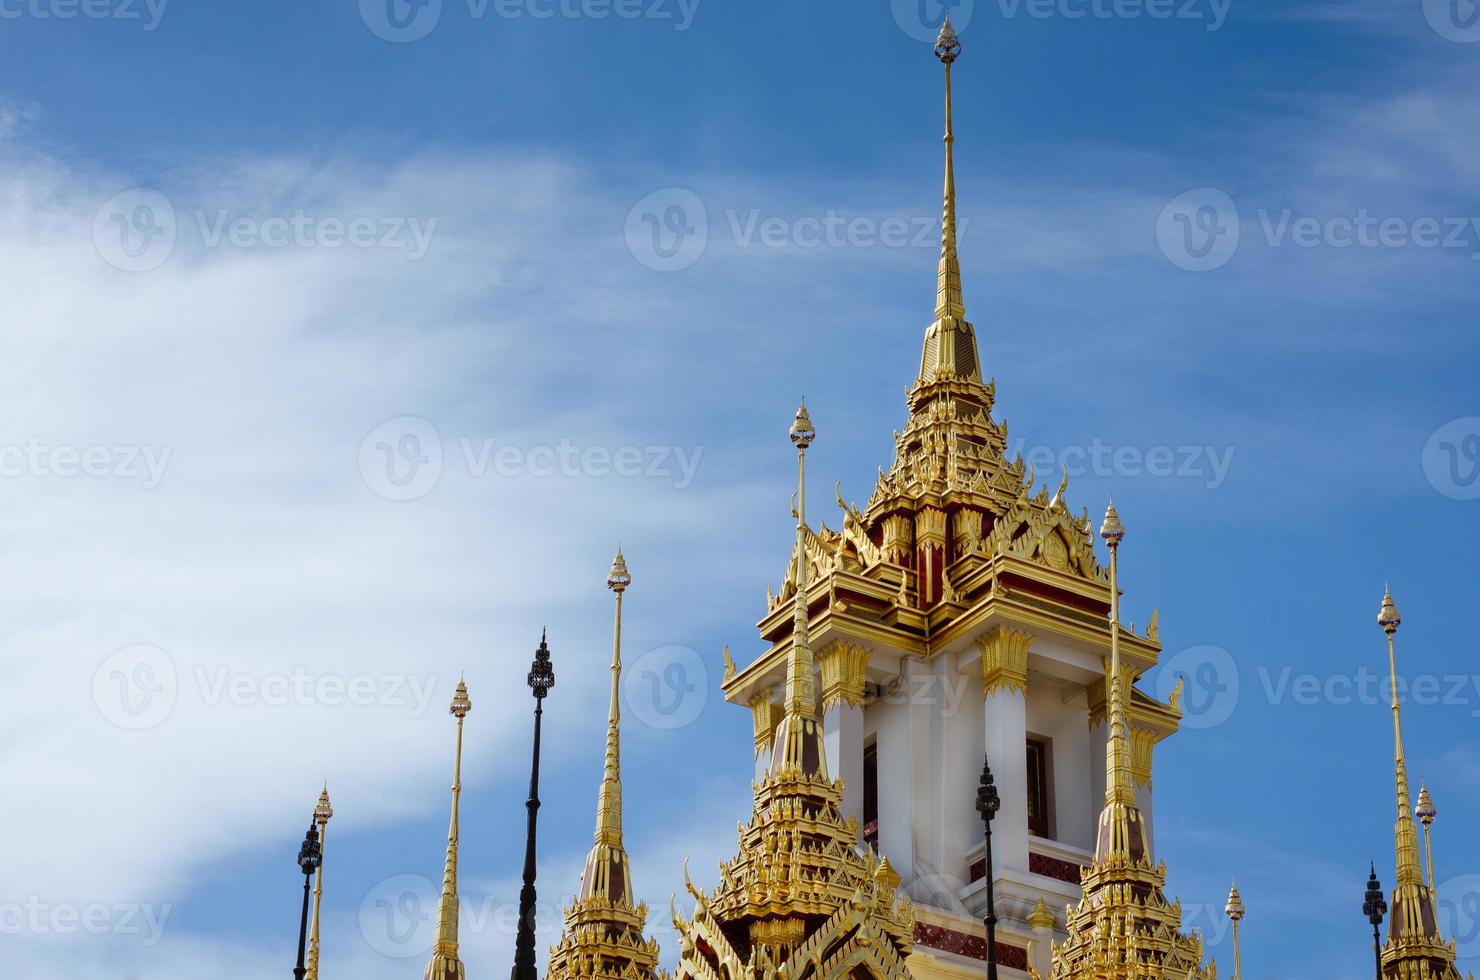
604	925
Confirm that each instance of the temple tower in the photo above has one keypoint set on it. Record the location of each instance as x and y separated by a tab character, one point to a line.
962	611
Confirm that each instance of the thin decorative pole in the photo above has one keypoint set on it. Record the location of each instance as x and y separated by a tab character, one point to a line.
1374	908
987	804
309	858
541	679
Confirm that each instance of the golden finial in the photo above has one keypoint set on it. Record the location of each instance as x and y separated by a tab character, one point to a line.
802	431
886	879
1112	530
1235	912
729	663
1387	616
1041	917
1427	813
1058	495
461	703
619	578
444	964
948	298
322	813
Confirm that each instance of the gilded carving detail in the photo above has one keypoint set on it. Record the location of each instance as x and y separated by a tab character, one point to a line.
930	527
765	713
844	672
1142	744
897	540
1004	653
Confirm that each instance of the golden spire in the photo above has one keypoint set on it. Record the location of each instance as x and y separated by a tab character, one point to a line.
1409	869
603	934
1119	787
444	964
1235	912
322	812
609	805
607	876
950	342
798	739
1426	813
1414	945
948	299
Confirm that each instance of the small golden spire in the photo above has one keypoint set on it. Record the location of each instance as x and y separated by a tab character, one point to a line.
1118	788
609	804
1427	813
1041	917
948	298
322	812
444	964
798	741
886	878
1235	912
1409	870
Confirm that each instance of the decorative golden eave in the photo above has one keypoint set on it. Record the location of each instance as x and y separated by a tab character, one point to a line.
444	964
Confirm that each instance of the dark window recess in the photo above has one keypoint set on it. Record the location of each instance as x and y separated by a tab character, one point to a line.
871	795
1039	823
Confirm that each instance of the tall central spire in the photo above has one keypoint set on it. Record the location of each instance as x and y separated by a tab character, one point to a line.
444	964
948	300
950	342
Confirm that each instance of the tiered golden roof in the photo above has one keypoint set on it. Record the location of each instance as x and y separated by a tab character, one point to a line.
1415	948
604	925
801	897
1123	928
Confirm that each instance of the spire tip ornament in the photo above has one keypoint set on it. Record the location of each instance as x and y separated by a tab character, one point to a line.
1387	616
947	45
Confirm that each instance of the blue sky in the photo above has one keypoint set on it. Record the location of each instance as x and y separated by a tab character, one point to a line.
1238	237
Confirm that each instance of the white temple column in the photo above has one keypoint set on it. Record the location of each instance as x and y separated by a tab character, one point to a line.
958	701
1004	653
844	670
